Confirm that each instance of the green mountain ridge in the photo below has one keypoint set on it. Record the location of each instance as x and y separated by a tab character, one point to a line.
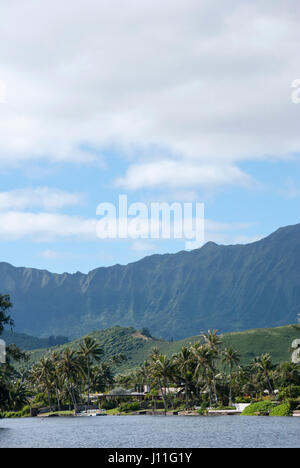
24	341
28	342
230	288
136	347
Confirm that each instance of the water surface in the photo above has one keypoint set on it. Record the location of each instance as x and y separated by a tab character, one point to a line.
151	431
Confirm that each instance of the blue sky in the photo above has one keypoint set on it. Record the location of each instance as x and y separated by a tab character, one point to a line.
103	99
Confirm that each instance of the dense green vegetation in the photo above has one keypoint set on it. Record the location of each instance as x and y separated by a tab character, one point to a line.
228	288
260	407
116	340
136	347
204	372
207	374
60	377
27	342
284	409
13	395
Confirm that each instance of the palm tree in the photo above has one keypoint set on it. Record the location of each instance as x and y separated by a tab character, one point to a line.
212	341
90	351
265	366
5	306
155	353
71	369
140	377
102	377
18	396
230	357
162	369
182	362
42	375
56	377
203	358
288	374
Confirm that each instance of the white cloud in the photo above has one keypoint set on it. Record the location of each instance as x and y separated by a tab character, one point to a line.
206	82
49	227
167	173
16	225
41	197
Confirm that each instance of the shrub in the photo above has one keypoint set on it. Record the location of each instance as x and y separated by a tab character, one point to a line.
159	404
204	405
13	414
262	407
243	400
25	411
109	404
127	407
289	392
295	404
225	408
40	400
282	410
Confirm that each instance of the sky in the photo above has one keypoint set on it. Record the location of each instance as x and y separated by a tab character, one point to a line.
189	101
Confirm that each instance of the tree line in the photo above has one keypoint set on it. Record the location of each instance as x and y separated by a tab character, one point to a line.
205	374
202	373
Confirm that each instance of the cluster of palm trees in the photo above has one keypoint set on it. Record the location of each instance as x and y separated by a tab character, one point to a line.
203	371
70	374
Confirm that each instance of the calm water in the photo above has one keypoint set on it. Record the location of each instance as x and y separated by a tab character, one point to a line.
151	431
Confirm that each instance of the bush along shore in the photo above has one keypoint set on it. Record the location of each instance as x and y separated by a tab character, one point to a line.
201	378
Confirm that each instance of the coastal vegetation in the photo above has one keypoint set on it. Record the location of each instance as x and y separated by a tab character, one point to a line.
204	373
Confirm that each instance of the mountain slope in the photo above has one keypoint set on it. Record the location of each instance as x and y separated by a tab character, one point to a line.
23	341
250	343
230	288
28	342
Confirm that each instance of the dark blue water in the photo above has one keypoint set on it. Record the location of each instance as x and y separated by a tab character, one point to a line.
151	431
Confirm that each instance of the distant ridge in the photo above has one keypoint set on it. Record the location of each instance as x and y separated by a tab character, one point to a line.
230	288
249	344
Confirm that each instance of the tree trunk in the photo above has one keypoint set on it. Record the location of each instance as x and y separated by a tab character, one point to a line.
88	382
230	390
186	396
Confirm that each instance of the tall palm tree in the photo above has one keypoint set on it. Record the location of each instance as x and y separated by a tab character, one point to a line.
55	358
42	375
203	357
70	366
230	357
264	365
212	341
102	377
90	351
182	362
5	306
162	369
140	377
288	373
18	396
